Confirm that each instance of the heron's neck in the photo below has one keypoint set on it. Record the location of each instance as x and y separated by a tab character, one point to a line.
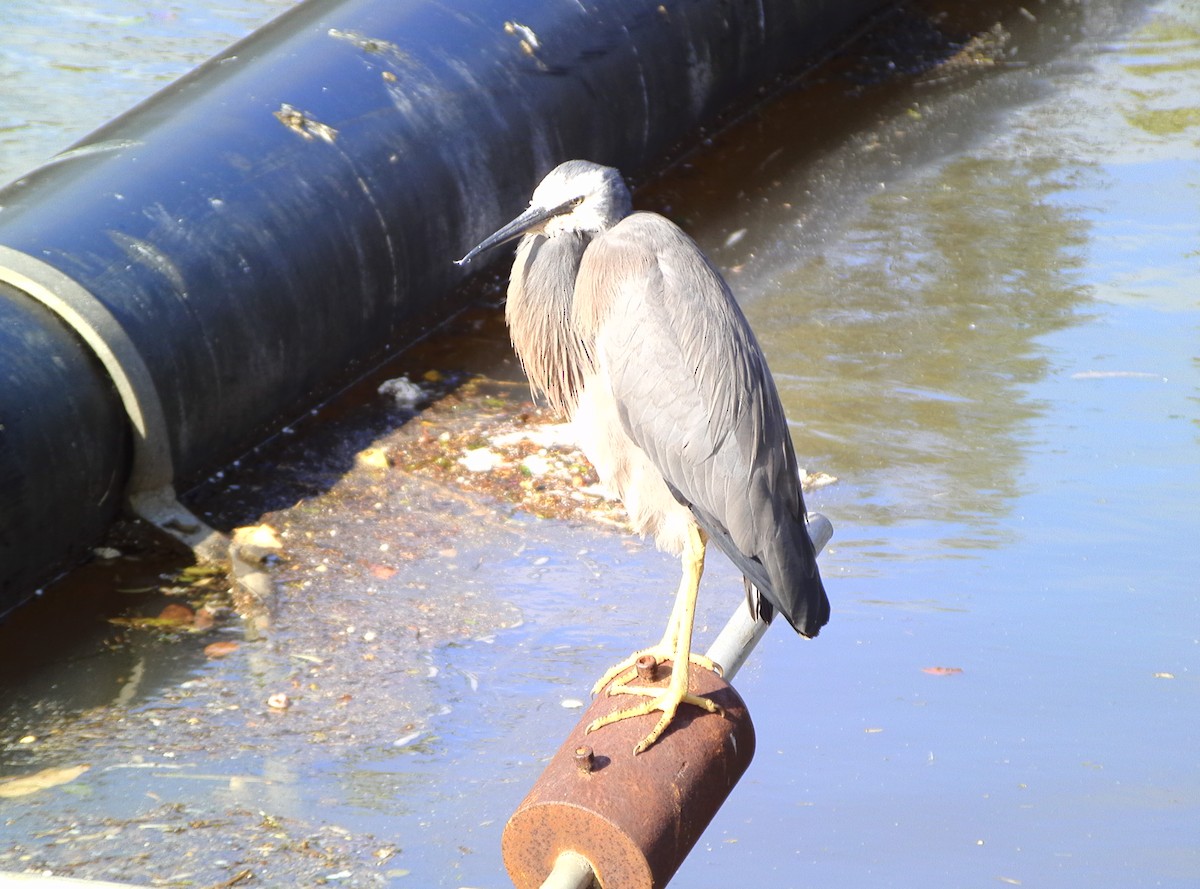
539	315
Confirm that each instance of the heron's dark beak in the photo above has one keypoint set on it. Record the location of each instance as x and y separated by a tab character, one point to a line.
530	219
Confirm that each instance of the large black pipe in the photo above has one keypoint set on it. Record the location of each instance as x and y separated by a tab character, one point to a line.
64	445
238	245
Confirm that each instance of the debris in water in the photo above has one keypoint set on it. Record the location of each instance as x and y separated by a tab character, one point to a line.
481	460
373	458
173	618
1116	374
220	649
23	785
815	480
536	465
255	542
178	614
404	391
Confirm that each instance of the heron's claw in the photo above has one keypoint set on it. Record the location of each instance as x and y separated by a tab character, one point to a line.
666	700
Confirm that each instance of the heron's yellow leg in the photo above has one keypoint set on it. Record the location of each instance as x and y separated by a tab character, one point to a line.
667	700
666	648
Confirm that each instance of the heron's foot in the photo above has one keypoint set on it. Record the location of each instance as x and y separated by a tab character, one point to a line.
664	700
626	671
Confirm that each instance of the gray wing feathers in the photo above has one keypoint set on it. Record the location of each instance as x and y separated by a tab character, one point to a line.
695	394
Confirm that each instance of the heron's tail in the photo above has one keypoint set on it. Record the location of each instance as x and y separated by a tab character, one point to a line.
784	577
793	583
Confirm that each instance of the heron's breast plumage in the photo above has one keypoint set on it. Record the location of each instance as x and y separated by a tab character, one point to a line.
538	314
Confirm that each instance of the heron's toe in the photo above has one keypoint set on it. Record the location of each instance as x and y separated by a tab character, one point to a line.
662	700
634	666
626	670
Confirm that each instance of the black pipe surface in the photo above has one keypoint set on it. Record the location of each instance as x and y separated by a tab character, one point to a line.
285	215
64	453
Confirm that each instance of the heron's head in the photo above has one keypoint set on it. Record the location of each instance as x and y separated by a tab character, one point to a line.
576	196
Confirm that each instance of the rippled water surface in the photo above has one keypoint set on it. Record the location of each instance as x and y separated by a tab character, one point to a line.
991	339
979	290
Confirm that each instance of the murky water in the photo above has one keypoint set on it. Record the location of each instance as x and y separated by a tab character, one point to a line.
979	289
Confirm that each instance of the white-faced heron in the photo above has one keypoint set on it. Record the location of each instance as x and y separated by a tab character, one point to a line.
628	330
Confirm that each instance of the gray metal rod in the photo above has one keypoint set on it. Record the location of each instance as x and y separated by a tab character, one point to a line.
571	871
730	649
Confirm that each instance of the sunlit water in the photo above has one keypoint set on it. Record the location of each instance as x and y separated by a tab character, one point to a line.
995	348
69	67
980	297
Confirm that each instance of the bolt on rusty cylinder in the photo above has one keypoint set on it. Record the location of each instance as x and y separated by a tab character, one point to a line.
634	817
647	668
584	759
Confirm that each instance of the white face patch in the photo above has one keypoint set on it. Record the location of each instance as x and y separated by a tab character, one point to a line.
597	195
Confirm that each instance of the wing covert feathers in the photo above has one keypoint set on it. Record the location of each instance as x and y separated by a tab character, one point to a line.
694	392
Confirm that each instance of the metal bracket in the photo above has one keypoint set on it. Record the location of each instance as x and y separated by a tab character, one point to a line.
151	490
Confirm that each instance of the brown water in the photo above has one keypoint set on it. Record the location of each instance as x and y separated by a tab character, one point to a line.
979	289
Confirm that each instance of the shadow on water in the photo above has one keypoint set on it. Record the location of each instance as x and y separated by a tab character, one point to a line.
974	274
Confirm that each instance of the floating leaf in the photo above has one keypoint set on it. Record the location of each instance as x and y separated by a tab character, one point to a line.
150	623
176	613
942	671
27	784
220	649
204	620
193	573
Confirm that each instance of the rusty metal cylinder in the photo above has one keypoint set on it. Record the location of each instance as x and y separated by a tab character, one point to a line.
633	817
